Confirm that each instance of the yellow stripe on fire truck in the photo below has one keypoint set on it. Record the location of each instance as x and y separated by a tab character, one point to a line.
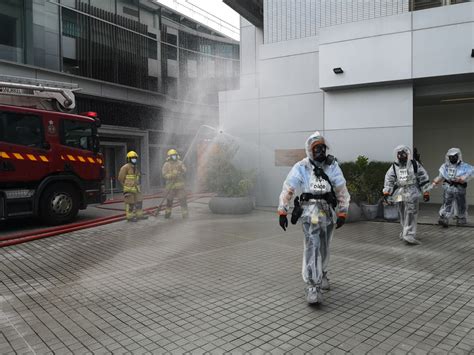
44	159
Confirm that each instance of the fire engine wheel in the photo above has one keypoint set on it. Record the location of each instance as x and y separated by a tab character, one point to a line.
59	204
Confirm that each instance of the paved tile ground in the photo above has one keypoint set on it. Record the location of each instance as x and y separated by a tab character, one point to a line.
232	284
15	226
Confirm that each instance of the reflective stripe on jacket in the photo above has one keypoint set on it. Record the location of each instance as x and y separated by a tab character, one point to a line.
174	174
129	177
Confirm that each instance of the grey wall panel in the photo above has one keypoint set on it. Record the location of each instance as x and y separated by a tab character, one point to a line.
389	106
240	117
443	16
271	177
444	50
369	121
374	143
366	60
362	29
247	50
291	113
289	75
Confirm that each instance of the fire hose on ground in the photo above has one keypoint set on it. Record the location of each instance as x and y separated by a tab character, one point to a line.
23	237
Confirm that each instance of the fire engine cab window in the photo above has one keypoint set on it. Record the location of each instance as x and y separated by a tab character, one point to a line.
77	134
22	129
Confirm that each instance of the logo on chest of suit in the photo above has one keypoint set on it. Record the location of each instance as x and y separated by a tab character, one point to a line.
318	185
403	175
451	173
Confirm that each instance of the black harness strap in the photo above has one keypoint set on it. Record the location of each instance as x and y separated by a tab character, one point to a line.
415	167
330	197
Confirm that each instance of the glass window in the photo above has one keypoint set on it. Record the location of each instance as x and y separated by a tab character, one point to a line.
75	43
128	9
171	39
23	129
169	52
152	48
44	30
11	30
77	134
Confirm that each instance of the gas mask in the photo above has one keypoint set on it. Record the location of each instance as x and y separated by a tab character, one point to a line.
133	161
319	153
402	157
453	159
174	157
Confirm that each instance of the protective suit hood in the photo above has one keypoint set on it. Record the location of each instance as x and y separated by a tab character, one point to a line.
313	139
402	148
453	151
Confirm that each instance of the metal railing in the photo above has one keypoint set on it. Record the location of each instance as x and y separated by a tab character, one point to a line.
287	20
427	4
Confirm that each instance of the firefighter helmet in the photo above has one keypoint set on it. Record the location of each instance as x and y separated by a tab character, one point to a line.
172	152
131	154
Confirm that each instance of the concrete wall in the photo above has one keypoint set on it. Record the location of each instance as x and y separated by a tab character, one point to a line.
419	44
279	112
369	121
368	110
440	127
287	105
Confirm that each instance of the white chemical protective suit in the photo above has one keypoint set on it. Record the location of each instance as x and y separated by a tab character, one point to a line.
320	181
405	183
454	178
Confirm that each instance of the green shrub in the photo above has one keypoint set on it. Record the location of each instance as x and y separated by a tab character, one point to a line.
224	178
365	179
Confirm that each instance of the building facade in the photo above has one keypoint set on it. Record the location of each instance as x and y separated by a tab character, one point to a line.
151	73
369	75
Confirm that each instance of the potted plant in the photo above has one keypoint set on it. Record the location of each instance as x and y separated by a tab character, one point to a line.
231	185
365	183
352	172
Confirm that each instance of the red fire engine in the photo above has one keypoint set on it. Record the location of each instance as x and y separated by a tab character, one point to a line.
50	165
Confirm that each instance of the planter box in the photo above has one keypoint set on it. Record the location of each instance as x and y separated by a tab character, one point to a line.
390	212
354	214
231	205
369	211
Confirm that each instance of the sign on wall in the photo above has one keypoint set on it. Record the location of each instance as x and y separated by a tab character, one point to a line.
288	157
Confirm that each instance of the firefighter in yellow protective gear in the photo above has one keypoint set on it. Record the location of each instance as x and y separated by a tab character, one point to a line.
174	173
129	177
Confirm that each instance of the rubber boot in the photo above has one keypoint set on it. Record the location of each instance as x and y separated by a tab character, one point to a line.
461	221
130	213
443	221
325	282
313	294
411	240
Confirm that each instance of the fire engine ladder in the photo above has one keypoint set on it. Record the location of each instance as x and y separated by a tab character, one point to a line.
43	94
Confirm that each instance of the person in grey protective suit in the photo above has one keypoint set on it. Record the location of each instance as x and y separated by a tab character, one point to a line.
322	206
405	181
454	175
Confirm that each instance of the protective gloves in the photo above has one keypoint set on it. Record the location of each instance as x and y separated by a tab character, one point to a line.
426	196
283	221
341	219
